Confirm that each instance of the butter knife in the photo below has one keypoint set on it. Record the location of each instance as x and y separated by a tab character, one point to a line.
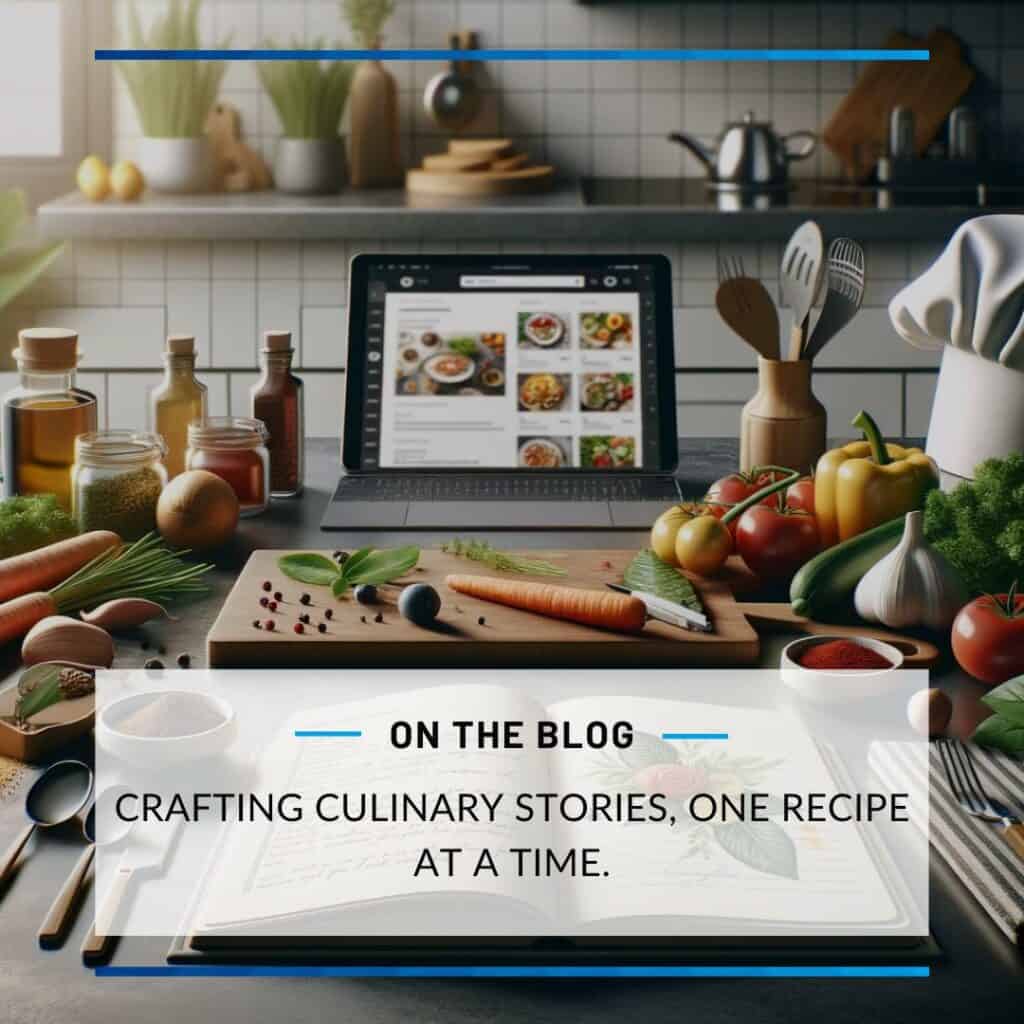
668	611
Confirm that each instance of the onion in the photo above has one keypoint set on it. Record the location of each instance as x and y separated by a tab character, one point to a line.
197	510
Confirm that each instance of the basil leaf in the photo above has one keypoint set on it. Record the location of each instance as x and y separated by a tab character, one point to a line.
1000	734
762	845
354	559
648	572
339	586
383	566
318	570
1007	700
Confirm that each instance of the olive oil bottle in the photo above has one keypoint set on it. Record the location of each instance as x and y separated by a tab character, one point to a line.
42	416
177	400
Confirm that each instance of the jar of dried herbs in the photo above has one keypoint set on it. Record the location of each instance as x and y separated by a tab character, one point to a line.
116	481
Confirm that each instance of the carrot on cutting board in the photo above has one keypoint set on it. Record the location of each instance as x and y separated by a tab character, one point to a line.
600	608
46	567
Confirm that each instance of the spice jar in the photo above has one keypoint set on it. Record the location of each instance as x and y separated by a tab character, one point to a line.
42	415
235	449
276	400
116	481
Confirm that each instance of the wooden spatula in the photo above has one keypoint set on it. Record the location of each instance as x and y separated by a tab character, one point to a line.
745	305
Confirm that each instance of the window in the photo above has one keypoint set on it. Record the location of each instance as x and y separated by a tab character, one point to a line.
56	105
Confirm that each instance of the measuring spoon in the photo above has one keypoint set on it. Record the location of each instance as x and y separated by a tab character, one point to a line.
54	928
55	797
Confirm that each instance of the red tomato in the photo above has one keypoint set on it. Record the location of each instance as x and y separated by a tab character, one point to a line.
733	488
801	495
775	543
988	637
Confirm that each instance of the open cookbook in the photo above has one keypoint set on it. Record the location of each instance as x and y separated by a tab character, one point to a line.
356	878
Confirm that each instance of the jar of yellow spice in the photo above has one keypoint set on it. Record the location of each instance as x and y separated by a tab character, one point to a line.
116	481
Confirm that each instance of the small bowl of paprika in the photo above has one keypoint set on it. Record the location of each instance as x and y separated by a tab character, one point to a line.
838	669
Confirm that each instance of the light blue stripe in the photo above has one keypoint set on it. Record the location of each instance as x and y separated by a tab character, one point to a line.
345	733
694	735
520	55
856	971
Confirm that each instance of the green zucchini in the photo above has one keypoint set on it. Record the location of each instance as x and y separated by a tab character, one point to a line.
828	580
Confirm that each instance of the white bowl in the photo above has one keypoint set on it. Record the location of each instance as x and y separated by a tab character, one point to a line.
149	750
838	686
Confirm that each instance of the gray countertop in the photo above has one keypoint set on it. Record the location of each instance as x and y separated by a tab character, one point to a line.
600	210
972	982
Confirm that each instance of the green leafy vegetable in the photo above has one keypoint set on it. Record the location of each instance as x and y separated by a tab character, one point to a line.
979	526
1000	733
649	573
31	522
1007	700
364	566
481	551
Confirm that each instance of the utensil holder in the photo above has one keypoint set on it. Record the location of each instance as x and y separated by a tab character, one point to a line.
783	424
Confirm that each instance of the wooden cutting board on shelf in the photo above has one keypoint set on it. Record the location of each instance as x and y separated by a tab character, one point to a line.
478	169
508	637
859	129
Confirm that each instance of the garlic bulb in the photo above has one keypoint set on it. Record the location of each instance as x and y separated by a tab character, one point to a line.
912	586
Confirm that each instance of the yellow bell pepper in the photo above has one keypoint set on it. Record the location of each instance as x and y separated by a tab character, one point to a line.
867	483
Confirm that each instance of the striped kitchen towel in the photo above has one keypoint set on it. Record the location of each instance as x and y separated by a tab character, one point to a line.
973	848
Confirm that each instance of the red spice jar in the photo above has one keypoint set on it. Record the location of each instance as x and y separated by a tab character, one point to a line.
235	449
842	654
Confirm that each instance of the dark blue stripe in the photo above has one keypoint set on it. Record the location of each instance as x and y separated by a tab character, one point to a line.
520	55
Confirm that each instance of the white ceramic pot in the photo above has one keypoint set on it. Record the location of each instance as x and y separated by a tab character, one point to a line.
310	166
177	165
978	413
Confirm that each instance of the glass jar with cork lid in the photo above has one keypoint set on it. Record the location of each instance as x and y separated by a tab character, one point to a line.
235	449
42	416
117	479
276	400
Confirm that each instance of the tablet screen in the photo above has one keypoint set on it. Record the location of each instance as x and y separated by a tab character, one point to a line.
510	367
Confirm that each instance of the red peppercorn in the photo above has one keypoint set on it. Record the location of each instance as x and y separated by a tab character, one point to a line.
272	605
299	627
267	586
269	625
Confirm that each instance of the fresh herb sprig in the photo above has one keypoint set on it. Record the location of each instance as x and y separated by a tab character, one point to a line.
52	686
363	566
481	551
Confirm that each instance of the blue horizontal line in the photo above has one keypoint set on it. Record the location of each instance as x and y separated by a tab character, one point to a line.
856	971
344	733
694	735
519	55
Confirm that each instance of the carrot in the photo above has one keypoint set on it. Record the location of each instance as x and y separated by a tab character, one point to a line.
19	615
604	609
46	567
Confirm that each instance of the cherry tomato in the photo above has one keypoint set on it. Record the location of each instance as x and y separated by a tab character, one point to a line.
774	543
988	637
703	544
732	489
801	495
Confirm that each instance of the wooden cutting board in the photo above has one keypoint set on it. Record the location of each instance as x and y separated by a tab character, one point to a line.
858	131
481	184
508	638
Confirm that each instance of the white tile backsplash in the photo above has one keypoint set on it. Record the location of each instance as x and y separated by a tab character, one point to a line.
234	323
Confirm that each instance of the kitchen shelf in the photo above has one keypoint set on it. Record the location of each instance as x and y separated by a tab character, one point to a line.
594	211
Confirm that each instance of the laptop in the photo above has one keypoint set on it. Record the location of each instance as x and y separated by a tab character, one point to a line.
507	392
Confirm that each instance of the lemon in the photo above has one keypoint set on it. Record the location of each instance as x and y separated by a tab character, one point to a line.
127	181
93	179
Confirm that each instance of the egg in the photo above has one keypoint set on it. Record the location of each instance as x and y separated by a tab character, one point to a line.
93	179
929	712
126	181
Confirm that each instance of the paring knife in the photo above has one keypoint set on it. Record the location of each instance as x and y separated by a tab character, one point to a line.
668	611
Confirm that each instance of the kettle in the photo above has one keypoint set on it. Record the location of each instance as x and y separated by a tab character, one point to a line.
749	154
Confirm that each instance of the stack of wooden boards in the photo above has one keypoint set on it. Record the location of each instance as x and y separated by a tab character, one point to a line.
478	168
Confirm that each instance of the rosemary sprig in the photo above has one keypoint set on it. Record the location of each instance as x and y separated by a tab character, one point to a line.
481	551
143	569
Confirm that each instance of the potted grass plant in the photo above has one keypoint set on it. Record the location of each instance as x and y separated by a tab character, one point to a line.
310	99
173	99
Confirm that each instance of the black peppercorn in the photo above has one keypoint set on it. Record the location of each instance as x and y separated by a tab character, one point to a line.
481	621
379	617
278	596
154	663
304	618
161	649
305	599
184	660
362	618
328	614
256	624
321	627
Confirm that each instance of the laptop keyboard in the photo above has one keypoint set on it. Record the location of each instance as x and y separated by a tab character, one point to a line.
541	487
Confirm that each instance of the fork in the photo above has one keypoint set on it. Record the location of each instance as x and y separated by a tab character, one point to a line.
970	794
745	305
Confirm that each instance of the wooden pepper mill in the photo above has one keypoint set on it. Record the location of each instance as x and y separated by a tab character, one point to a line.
783	424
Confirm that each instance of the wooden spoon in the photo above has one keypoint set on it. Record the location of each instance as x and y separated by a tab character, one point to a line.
745	305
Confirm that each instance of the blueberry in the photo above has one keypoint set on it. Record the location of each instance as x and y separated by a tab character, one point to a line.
366	593
419	603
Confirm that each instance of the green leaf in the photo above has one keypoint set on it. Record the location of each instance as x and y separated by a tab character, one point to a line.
1000	733
1007	700
648	572
647	750
353	560
383	566
317	570
339	586
762	845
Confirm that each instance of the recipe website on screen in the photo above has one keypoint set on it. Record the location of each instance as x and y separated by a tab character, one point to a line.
513	370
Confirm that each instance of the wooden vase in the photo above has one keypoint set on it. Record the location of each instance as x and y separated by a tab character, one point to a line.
373	148
783	424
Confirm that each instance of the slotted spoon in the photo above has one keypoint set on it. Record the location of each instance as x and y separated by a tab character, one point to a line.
745	305
843	295
803	267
